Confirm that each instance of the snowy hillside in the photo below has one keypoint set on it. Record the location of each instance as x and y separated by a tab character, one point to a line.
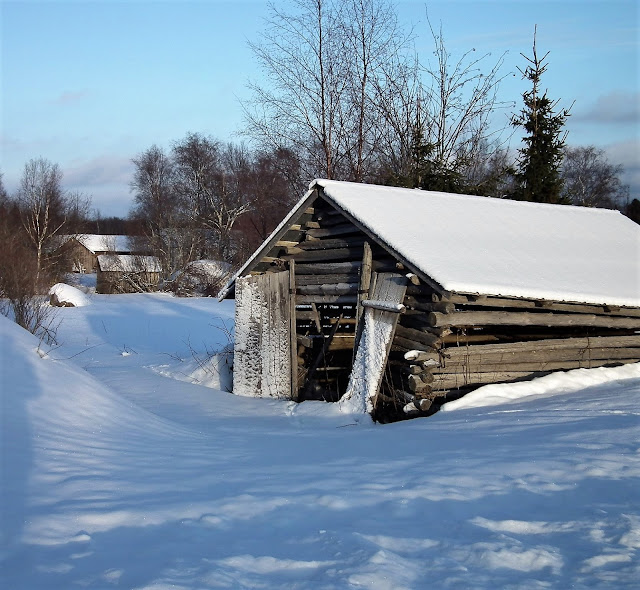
123	468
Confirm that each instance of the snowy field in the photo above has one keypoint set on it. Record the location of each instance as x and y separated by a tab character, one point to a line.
124	465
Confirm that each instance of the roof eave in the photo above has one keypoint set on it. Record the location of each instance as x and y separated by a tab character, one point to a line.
270	242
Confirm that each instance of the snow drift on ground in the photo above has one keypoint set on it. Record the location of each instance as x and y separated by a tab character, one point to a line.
117	476
68	294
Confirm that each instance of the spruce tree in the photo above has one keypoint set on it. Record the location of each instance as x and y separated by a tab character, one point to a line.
538	176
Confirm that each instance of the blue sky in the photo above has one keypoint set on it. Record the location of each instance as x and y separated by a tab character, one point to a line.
90	84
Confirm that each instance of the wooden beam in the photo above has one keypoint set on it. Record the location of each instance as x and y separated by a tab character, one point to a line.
533	366
632	341
324	268
336	299
329	244
424	338
384	306
364	289
516	303
337	230
451	358
329	289
325	255
505	318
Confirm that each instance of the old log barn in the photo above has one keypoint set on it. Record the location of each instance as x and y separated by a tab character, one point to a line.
402	299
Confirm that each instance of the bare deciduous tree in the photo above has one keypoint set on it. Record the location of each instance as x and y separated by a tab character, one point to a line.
457	113
212	179
300	54
162	210
344	92
591	180
328	65
42	205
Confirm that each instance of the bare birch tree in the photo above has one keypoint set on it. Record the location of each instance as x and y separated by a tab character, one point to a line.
590	180
299	108
42	206
327	65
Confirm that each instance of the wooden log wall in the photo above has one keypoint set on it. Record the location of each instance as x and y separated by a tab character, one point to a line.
451	344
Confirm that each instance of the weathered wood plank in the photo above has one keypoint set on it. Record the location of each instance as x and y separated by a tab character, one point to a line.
295	389
325	255
454	359
424	305
504	318
374	345
540	366
336	299
383	306
356	242
363	290
504	302
417	336
327	268
336	230
302	280
461	380
632	341
330	289
407	344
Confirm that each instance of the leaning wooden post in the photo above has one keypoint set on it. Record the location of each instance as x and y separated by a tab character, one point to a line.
363	292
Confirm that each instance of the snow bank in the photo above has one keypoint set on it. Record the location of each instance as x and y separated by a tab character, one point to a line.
70	295
204	489
557	383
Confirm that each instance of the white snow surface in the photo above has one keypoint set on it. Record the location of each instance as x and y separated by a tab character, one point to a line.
119	473
471	244
128	263
68	294
103	243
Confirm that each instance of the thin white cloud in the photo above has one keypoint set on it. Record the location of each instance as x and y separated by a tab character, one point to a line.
98	171
70	97
620	107
627	153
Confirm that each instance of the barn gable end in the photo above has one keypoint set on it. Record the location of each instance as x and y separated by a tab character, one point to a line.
447	340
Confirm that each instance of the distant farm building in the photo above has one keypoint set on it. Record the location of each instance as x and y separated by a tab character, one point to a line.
399	299
82	250
126	273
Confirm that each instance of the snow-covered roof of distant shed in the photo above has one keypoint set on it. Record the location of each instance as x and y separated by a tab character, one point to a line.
103	243
482	245
128	263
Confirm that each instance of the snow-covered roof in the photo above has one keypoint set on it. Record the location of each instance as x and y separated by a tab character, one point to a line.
128	263
471	244
103	243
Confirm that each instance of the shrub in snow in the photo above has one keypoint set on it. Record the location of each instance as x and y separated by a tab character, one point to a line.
200	278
